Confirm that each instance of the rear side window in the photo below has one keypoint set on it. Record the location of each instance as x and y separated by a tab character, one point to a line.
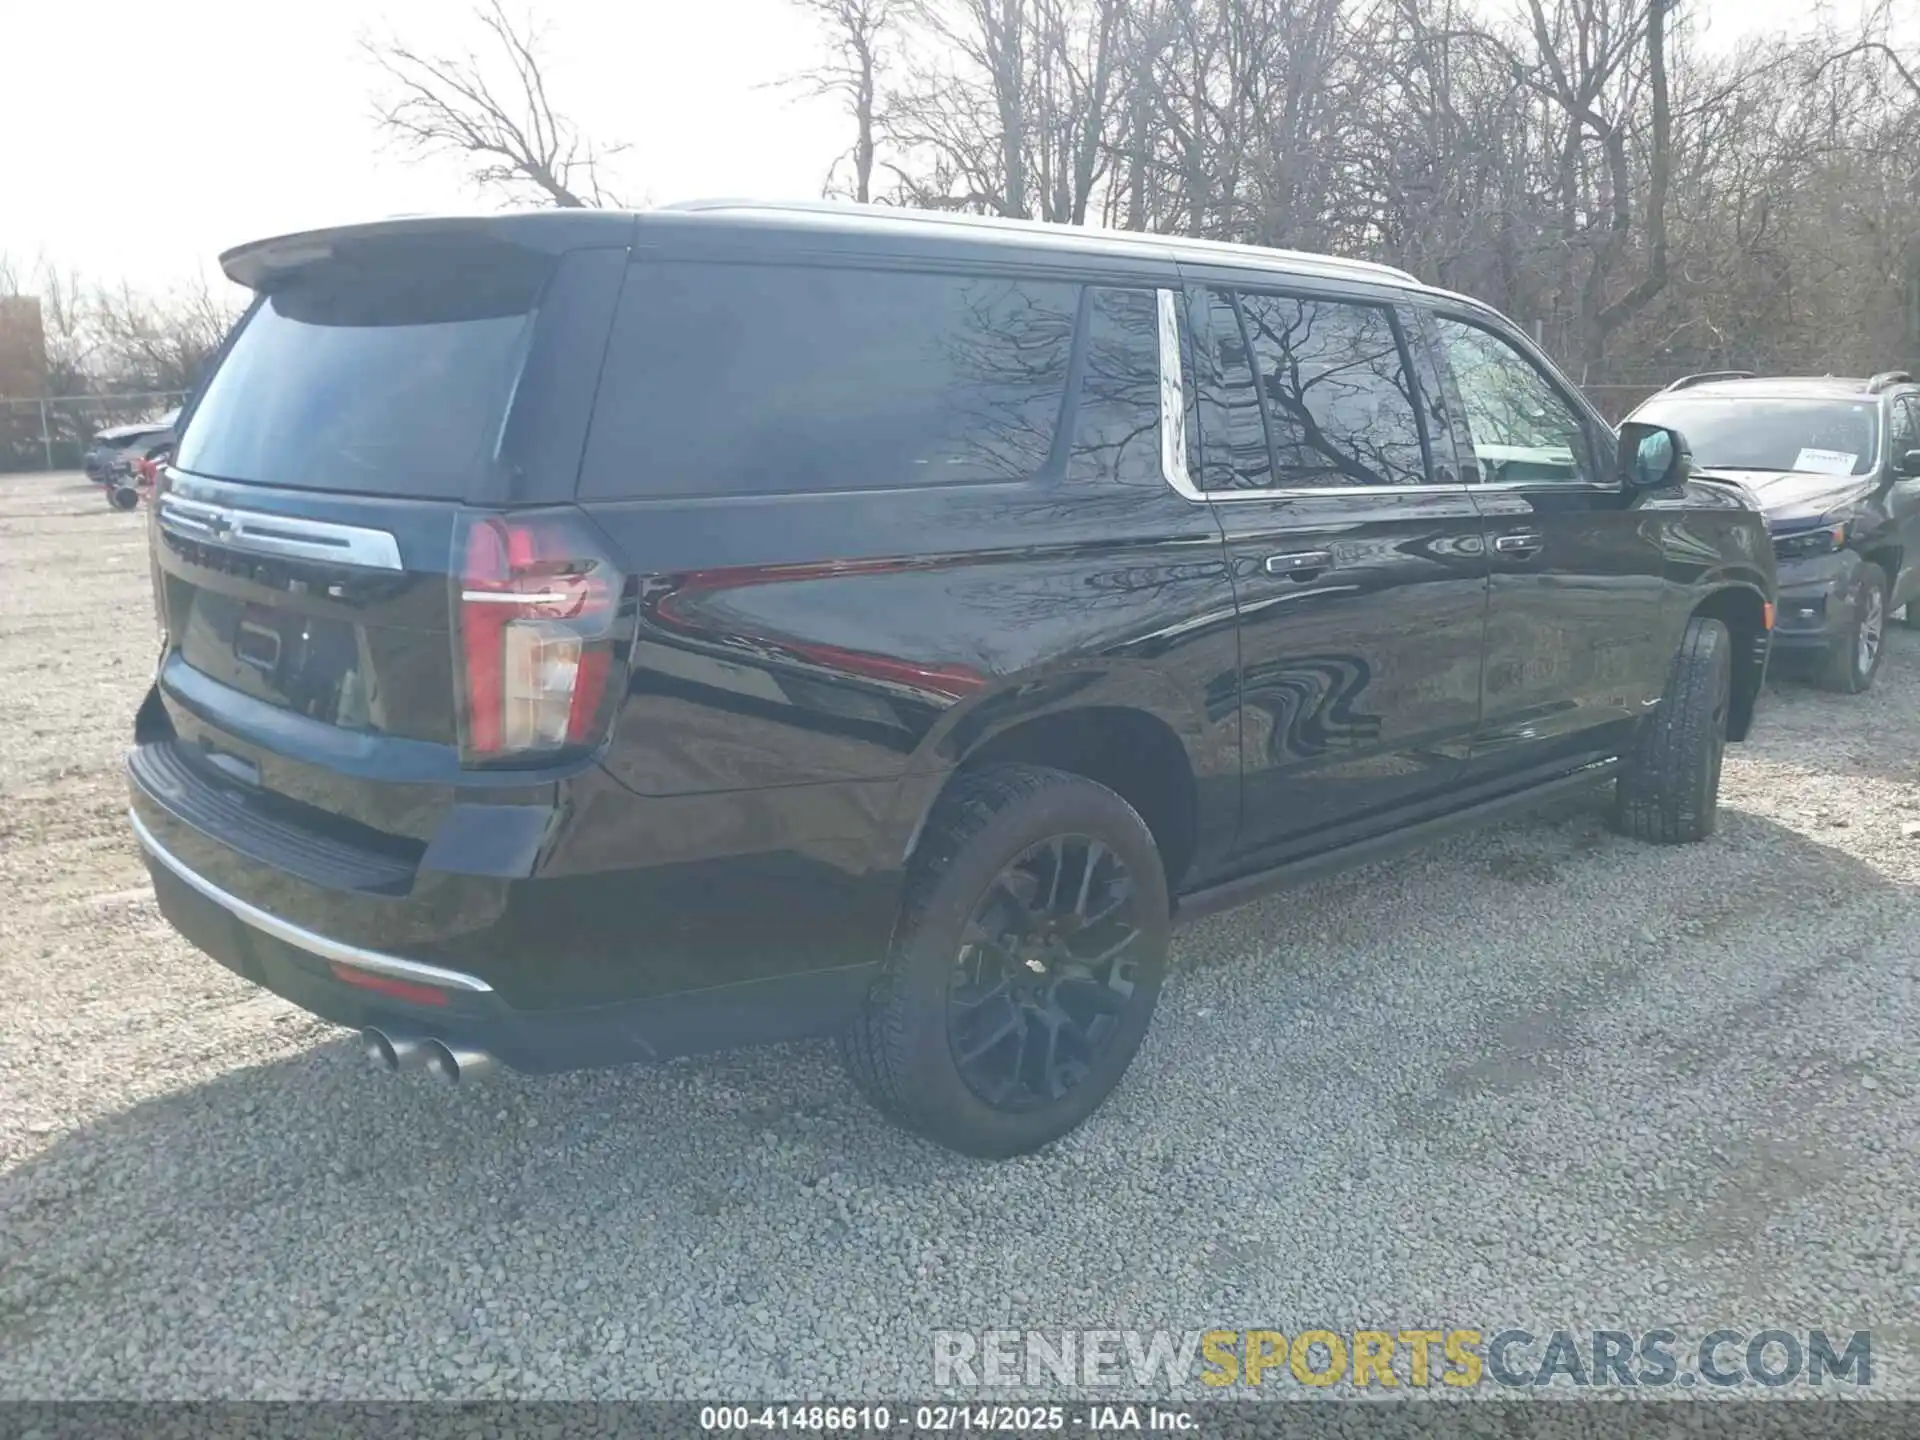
1323	383
387	373
1235	431
1339	403
769	379
1116	418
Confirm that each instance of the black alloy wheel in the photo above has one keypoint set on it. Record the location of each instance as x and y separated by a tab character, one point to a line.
1025	966
1044	972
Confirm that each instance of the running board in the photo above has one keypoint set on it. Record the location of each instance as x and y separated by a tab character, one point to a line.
1392	842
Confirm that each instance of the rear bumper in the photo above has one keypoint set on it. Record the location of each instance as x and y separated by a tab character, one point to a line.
317	973
559	925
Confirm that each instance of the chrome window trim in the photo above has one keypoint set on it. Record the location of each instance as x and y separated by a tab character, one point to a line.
1595	487
1173	403
1322	492
1173	437
287	535
302	939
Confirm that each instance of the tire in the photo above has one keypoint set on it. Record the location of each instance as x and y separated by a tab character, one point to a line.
986	856
1669	791
123	497
1910	615
1855	656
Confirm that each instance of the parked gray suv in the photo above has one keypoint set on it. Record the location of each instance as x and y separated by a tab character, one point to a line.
1834	465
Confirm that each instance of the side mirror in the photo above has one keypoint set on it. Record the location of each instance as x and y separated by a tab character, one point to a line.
1652	457
1910	463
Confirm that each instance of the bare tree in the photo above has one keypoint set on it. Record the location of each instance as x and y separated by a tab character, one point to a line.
857	35
1639	203
159	343
1013	106
1875	39
494	112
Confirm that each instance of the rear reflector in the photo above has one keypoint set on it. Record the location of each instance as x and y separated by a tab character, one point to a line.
408	990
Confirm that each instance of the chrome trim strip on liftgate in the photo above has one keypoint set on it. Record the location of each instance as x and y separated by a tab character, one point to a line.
288	535
303	939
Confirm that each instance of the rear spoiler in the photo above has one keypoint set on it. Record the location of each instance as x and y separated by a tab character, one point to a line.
259	263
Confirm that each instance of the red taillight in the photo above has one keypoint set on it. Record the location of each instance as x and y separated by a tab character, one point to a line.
534	605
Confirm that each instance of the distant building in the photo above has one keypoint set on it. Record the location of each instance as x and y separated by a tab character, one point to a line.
23	348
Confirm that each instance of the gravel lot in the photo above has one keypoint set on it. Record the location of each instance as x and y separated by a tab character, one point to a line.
1542	1076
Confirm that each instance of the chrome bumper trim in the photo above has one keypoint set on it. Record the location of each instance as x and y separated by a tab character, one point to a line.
302	939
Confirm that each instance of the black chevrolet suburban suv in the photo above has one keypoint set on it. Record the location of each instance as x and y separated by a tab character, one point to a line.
593	637
1834	465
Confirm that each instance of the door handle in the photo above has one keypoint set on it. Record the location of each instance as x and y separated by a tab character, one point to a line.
1522	545
1301	564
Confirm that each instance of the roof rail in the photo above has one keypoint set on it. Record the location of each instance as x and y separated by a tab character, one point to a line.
1013	225
1888	378
1686	381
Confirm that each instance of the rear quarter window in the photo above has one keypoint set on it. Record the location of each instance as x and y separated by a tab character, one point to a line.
1116	416
768	379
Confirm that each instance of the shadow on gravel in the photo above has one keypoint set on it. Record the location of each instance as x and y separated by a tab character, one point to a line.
317	1171
313	1192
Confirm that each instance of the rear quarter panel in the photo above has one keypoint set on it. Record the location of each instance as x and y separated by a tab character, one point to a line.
863	641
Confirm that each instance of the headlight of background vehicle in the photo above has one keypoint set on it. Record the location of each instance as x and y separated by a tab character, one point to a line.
1805	544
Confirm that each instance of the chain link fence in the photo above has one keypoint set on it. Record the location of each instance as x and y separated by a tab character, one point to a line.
53	434
1617	400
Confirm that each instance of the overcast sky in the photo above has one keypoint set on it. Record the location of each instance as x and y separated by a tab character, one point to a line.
137	140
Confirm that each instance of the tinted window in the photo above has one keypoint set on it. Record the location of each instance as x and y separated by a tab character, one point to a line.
387	376
743	379
1832	437
1231	425
1519	426
1339	404
1116	423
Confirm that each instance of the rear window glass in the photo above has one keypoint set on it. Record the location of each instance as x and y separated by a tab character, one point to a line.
383	375
767	379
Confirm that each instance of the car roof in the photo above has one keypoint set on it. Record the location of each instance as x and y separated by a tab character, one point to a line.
1780	387
813	222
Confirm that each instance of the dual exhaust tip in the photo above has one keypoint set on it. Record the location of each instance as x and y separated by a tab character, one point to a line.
396	1052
